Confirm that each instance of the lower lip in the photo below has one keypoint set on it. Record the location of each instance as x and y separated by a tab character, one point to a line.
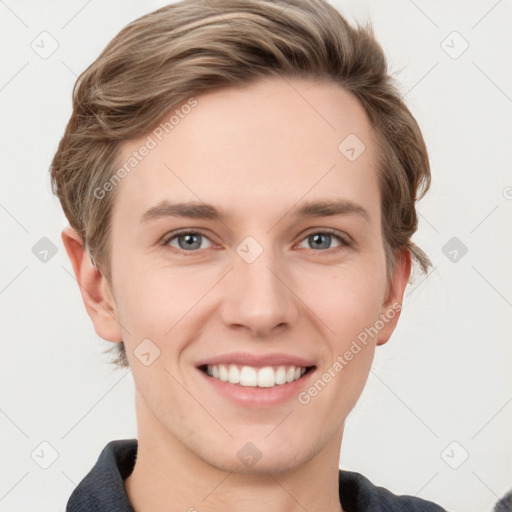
252	396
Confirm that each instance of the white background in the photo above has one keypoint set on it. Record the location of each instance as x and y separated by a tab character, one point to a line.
445	375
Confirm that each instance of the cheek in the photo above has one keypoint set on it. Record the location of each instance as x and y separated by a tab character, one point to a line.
349	310
348	301
155	300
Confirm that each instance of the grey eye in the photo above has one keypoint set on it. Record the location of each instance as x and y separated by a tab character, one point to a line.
188	241
322	240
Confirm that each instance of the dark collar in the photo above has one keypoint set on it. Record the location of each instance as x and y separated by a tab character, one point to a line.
103	489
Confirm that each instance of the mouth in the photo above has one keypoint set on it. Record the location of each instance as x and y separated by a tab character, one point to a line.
256	377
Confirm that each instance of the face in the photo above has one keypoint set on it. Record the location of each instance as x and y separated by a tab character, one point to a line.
247	244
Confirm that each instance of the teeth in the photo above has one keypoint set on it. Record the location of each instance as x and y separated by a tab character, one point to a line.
266	377
234	374
280	376
248	376
223	373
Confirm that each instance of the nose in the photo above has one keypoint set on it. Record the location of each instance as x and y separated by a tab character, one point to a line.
259	295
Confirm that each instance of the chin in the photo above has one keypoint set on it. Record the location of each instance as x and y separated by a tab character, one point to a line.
273	465
259	457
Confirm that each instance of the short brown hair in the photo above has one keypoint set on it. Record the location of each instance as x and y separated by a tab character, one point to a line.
187	48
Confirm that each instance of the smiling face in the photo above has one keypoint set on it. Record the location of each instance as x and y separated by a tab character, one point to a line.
246	237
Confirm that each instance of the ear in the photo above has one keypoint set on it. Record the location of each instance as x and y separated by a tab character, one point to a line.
392	306
94	288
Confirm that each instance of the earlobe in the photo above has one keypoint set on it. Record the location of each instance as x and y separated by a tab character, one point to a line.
392	306
94	288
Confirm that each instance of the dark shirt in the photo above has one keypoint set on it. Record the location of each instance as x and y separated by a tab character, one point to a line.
102	489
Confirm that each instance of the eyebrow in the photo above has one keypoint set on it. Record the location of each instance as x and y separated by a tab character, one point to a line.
329	208
317	208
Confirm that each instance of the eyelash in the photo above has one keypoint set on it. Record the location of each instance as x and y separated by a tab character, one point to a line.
344	240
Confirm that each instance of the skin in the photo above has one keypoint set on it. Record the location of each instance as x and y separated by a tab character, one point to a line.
254	151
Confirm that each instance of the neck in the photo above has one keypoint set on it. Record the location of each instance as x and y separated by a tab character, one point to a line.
169	477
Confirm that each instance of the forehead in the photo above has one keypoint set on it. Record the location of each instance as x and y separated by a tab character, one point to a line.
258	148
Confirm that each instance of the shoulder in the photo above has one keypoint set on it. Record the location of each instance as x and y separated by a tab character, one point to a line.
358	494
102	489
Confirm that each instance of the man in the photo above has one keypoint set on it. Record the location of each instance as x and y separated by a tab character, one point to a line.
240	179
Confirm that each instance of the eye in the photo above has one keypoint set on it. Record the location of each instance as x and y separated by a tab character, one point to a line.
187	241
323	240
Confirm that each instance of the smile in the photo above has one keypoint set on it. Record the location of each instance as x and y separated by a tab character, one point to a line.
249	376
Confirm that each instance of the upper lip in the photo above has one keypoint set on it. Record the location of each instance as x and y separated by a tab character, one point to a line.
258	361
